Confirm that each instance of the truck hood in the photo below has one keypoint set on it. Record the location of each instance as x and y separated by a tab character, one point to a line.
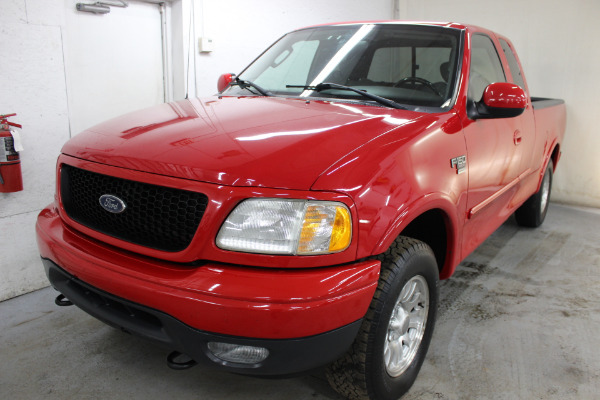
237	141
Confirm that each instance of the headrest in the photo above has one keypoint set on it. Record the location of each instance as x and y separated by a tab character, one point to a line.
445	70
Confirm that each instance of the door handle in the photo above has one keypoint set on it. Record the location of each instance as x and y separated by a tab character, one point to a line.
517	137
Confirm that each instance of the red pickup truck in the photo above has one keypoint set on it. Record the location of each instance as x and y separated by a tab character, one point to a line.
303	216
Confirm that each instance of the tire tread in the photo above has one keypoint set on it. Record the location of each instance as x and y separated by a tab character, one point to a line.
530	214
347	375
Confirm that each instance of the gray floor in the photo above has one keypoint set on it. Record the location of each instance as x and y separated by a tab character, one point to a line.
518	320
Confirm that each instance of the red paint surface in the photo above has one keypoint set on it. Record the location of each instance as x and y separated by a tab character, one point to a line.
223	298
224	80
388	166
504	95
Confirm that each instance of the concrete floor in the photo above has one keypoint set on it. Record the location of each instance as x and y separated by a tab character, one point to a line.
520	319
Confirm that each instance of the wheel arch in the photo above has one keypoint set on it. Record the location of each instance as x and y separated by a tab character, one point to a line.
433	225
555	155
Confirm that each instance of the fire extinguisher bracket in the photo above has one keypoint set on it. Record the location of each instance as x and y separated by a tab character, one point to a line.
18	144
8	152
11	179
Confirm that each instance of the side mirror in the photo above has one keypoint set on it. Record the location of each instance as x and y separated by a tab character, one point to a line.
501	100
224	81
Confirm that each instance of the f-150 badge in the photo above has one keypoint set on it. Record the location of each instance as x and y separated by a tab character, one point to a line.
460	163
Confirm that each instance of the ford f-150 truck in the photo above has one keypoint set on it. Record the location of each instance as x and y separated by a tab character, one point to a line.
303	216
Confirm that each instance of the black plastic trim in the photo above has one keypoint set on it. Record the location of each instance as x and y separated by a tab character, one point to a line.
478	110
158	217
286	356
542	102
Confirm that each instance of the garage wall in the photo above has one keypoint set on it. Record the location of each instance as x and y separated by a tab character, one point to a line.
63	71
242	29
113	62
32	84
557	44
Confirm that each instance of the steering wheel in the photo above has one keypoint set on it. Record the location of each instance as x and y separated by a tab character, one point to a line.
415	79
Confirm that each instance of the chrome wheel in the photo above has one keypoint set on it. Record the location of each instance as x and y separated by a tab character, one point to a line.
390	347
406	326
533	212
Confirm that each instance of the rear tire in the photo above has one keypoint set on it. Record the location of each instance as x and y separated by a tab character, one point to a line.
533	212
390	347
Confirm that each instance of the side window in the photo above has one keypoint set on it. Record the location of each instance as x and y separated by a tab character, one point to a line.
486	67
513	65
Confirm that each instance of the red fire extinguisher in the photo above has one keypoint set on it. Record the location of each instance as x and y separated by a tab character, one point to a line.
11	179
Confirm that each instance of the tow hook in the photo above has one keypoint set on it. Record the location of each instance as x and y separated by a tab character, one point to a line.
62	301
179	365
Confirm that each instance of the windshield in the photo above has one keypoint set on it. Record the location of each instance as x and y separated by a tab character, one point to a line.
409	64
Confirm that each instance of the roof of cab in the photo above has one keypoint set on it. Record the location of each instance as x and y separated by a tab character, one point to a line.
455	25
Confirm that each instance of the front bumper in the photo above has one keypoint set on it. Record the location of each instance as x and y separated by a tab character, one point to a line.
286	356
301	314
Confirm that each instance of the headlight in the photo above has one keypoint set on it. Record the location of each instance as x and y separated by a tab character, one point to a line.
274	226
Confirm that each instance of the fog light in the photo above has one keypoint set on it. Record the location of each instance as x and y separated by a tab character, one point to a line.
238	354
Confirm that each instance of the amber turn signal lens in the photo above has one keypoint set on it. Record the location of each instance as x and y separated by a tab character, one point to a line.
326	228
342	230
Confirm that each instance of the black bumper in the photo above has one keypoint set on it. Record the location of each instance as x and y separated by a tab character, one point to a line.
286	356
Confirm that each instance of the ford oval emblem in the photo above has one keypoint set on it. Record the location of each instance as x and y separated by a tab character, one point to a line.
112	204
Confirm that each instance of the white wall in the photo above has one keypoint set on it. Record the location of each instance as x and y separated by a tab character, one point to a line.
113	62
557	44
242	29
63	71
32	84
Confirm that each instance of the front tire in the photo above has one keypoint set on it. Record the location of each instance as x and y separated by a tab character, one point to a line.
533	212
390	347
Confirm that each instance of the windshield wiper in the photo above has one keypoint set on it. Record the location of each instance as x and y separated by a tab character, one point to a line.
326	86
244	84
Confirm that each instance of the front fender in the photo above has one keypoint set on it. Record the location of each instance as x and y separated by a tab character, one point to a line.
452	227
399	175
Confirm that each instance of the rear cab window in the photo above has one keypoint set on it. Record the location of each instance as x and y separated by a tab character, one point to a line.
513	64
486	66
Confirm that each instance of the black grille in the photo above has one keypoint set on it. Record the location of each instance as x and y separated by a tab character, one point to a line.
155	216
